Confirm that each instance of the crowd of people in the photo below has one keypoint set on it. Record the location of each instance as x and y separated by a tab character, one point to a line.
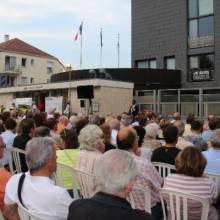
119	150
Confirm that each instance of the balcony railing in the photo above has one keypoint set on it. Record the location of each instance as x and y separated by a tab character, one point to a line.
13	69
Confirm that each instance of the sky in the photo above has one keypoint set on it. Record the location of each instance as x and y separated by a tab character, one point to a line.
51	26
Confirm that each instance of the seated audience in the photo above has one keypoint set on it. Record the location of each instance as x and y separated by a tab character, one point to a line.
115	126
212	125
41	131
91	145
63	123
147	177
125	120
81	123
69	142
51	123
115	175
176	117
8	138
168	152
27	127
187	131
150	141
68	154
181	143
43	199
213	154
196	136
4	176
107	136
189	178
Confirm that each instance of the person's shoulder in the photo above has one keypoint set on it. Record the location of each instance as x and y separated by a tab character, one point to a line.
140	214
159	149
79	203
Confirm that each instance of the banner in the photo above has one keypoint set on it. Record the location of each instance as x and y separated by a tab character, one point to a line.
54	104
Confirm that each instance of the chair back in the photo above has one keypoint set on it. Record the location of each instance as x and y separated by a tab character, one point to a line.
86	182
164	169
215	177
66	177
178	204
147	198
14	160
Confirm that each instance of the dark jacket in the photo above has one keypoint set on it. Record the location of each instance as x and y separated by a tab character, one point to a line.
20	142
165	155
103	206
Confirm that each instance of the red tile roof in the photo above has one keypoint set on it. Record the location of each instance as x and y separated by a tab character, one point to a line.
18	46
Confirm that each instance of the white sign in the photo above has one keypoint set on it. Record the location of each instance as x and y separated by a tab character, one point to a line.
201	75
23	101
54	104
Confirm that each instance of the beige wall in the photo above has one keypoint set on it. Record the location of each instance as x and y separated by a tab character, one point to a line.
115	100
38	70
6	97
111	96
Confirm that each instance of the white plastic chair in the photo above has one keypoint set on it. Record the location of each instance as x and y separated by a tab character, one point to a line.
164	169
14	154
147	198
178	204
66	178
86	183
215	177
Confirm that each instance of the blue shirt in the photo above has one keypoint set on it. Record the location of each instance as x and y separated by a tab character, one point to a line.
206	135
213	161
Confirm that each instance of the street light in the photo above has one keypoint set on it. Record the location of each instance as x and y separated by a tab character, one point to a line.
69	70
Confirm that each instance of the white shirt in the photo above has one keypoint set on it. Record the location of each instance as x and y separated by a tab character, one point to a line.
114	137
44	200
8	138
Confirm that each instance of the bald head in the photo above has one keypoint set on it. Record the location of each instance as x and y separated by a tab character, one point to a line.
127	138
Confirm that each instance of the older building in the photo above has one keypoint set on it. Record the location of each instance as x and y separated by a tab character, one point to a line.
182	35
23	64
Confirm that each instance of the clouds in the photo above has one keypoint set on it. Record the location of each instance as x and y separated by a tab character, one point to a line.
52	23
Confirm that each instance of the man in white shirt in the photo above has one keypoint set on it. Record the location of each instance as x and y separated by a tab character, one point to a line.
38	193
8	138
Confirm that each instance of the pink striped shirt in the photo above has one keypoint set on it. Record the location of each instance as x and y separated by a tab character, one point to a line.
147	177
200	186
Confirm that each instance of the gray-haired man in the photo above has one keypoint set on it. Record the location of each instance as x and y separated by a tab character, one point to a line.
38	194
115	173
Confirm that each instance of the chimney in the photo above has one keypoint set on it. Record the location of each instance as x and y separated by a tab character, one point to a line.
6	37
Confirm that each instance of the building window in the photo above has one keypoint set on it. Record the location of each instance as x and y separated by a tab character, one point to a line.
23	62
170	63
32	62
201	67
201	18
23	81
49	67
10	63
149	63
31	80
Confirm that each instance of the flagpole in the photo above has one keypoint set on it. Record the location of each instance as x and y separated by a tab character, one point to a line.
118	50
81	51
101	48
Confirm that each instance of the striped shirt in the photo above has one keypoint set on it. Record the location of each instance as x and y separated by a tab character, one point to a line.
147	177
85	160
200	186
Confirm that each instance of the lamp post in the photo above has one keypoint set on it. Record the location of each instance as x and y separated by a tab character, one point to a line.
69	69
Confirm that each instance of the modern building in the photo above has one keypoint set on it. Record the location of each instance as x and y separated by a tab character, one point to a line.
22	64
183	35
